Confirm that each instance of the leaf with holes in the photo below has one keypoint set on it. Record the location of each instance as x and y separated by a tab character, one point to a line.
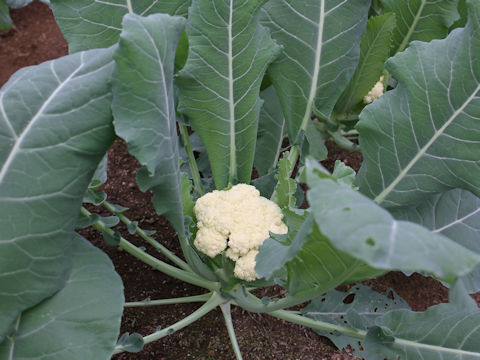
427	129
88	24
55	126
220	83
357	308
321	47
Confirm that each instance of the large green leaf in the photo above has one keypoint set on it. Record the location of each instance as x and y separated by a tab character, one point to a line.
456	214
81	321
445	331
374	51
88	24
422	20
360	313
321	46
424	136
220	83
55	126
308	257
361	228
144	111
5	20
271	129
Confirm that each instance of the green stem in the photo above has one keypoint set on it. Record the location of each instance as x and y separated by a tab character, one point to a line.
129	6
181	300
227	315
344	142
212	303
191	159
292	160
168	269
170	255
317	325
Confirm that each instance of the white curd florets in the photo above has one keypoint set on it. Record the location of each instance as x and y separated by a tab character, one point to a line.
376	91
241	216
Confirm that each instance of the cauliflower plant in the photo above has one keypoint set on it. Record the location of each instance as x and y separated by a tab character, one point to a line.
376	91
238	220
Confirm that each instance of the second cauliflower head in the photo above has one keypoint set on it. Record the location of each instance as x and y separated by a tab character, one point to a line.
237	220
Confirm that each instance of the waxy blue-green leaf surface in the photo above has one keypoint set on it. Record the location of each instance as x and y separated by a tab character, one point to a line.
358	226
321	47
88	24
81	321
55	126
144	110
424	136
422	20
455	214
220	83
15	4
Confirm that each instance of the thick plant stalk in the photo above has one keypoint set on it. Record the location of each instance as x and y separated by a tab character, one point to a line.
180	300
191	160
170	270
214	301
227	315
170	255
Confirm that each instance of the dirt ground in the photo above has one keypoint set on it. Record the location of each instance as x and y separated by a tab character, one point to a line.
36	38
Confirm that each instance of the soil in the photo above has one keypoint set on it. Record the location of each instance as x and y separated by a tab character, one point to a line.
35	38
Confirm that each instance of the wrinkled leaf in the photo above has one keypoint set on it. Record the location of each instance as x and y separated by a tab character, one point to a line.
422	20
81	321
144	111
374	51
358	226
271	129
427	128
55	126
88	24
228	55
321	46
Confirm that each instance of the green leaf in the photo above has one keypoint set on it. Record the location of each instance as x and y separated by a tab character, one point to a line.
445	331
314	144
81	321
228	55
463	12
427	128
321	46
358	226
271	129
374	51
5	20
55	126
358	308
88	24
187	198
284	194
310	259
455	214
131	342
422	20
147	51
344	173
100	176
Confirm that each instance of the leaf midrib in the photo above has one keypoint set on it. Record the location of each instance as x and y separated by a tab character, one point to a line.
231	104
380	197
412	27
38	114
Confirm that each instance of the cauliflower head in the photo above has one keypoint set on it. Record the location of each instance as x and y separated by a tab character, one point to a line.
376	91
238	220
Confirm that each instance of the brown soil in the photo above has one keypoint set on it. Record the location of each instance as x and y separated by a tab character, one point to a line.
36	38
